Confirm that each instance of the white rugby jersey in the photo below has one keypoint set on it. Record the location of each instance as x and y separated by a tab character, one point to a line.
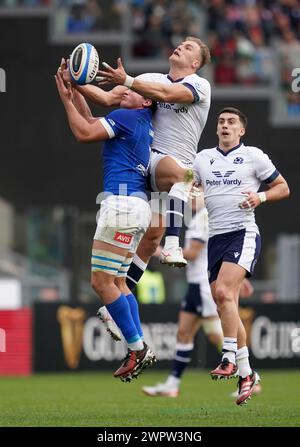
196	271
178	127
224	177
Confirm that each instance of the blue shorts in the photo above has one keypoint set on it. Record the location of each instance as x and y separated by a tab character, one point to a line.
198	300
241	247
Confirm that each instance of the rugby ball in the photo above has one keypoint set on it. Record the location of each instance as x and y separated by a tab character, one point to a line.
84	64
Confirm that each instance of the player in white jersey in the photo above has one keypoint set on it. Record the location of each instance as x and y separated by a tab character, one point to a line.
197	308
231	175
183	105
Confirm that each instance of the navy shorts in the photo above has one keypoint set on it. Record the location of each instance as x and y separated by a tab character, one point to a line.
241	247
198	300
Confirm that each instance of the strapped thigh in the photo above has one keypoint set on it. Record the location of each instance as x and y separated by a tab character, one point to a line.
106	261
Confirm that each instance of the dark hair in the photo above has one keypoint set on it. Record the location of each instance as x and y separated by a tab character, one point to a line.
153	106
241	115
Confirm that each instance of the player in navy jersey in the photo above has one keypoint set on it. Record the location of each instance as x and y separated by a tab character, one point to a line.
125	213
231	174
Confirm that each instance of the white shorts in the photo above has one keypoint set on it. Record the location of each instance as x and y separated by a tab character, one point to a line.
155	158
123	221
159	199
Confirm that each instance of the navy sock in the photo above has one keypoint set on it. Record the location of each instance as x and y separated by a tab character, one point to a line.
181	360
134	274
121	313
134	307
174	215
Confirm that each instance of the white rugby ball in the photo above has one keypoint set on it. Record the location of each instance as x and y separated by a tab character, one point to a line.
84	63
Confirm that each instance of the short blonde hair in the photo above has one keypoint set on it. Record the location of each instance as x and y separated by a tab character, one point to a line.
204	50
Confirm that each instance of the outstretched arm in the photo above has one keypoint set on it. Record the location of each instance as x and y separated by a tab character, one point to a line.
82	106
100	97
160	92
83	130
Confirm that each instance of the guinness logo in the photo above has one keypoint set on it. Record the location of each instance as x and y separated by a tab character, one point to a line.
71	328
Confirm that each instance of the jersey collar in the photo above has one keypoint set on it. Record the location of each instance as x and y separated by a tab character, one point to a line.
226	153
172	80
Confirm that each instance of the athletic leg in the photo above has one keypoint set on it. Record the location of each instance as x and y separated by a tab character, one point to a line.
225	291
172	176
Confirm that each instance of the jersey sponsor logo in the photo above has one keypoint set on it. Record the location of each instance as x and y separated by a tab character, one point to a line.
170	106
238	160
227	173
123	237
224	181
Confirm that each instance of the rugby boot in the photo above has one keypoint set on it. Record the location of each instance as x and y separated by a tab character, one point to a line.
172	257
161	389
111	326
225	370
245	387
134	363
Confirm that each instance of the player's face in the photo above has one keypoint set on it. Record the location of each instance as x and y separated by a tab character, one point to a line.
132	100
186	55
230	129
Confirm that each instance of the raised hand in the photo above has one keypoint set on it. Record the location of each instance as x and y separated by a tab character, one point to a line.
65	90
112	75
64	70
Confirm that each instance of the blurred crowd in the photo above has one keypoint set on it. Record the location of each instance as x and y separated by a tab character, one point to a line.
29	3
244	35
92	15
160	25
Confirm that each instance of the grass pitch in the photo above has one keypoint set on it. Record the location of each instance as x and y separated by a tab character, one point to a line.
99	400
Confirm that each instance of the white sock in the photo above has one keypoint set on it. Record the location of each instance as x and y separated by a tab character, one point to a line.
171	242
242	361
173	382
230	356
229	349
136	345
181	190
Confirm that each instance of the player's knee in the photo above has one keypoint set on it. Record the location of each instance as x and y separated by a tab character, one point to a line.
223	296
180	175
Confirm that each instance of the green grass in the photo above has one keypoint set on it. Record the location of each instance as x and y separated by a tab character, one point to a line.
99	400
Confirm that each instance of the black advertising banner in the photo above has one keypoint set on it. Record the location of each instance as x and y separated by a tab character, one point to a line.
67	338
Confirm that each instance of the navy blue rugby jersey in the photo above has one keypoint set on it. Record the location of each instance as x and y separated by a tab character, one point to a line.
126	154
